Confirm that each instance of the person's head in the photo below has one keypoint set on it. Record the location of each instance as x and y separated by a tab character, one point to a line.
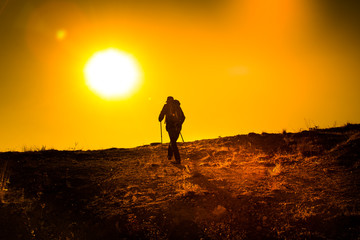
169	99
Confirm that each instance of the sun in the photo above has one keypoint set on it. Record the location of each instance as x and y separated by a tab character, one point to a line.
112	73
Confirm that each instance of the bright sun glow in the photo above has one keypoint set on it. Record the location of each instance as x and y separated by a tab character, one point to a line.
112	73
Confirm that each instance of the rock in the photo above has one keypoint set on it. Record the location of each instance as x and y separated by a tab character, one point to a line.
219	210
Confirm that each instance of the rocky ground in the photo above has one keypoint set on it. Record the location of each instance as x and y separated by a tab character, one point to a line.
303	185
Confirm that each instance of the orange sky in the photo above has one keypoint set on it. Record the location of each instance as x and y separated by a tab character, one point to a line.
236	67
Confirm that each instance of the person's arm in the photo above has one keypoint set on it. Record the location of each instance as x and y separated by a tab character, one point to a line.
162	113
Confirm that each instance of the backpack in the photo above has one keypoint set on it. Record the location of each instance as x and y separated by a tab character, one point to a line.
174	114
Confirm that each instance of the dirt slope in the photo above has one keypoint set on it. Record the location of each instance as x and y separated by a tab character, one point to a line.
258	186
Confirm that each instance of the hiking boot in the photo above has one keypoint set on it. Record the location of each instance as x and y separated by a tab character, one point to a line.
169	157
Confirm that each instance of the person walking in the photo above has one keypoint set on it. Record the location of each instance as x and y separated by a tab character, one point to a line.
174	118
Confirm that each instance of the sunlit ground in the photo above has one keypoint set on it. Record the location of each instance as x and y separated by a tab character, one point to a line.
256	186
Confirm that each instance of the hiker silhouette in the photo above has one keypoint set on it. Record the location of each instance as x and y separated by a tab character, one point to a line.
174	118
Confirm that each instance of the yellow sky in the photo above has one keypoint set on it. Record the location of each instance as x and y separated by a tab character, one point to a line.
236	67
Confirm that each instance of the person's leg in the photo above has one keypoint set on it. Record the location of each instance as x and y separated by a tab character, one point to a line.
176	152
174	135
170	151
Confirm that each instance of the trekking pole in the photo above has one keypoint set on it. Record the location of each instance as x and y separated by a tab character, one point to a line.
182	137
161	131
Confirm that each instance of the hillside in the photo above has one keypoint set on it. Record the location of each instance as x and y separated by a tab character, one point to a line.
303	185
